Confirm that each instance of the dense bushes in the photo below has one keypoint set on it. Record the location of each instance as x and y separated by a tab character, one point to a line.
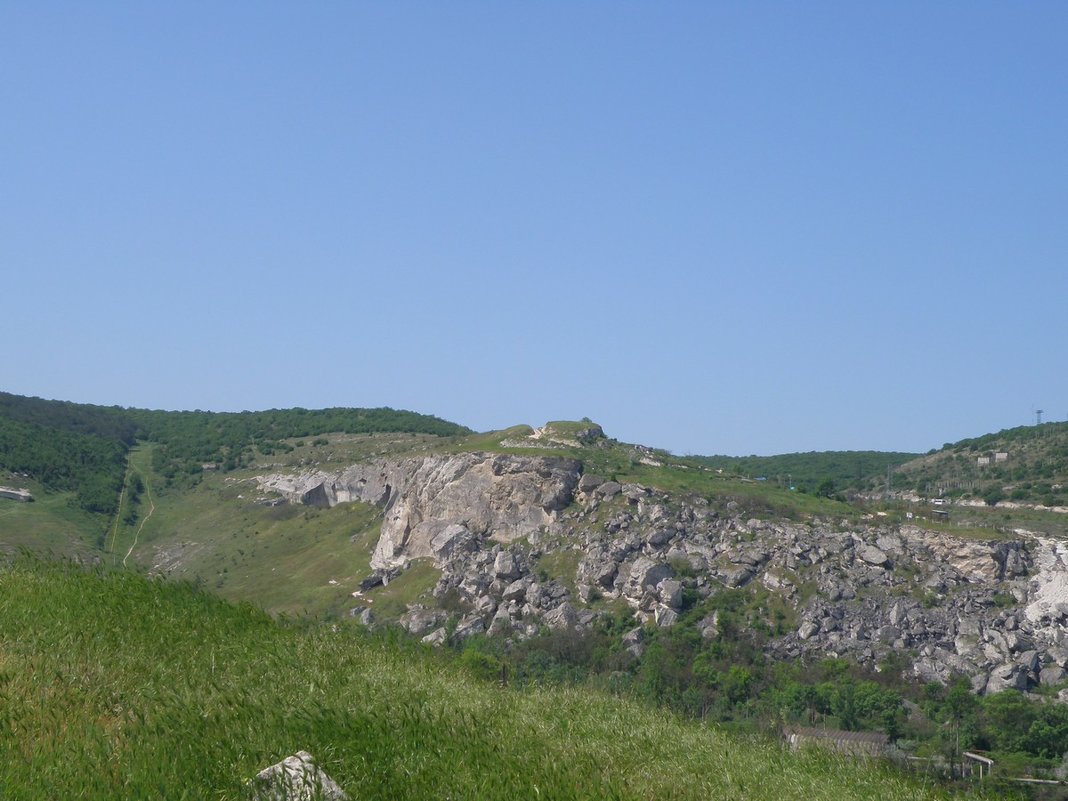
188	439
91	466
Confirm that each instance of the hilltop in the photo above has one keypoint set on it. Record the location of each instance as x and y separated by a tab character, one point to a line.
1028	464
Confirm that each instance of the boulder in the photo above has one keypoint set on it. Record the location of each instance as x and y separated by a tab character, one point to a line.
873	556
517	590
737	575
437	637
808	629
599	569
671	593
589	482
501	623
660	536
562	617
890	542
419	619
1029	660
709	626
1051	675
646	573
505	567
750	555
665	616
609	489
1008	676
468	626
295	778
634	642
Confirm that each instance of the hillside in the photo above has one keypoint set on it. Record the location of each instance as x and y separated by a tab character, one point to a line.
82	448
1028	464
827	471
236	692
560	555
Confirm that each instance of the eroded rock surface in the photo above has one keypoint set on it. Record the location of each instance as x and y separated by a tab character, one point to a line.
996	611
491	496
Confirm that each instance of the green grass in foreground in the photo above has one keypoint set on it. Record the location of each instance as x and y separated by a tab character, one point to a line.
113	686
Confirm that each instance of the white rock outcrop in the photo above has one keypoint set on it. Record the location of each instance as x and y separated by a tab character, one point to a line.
490	496
296	778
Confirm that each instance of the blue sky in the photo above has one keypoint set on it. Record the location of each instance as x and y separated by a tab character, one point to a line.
712	227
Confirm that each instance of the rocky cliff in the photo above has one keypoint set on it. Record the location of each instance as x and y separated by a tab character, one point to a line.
436	505
993	610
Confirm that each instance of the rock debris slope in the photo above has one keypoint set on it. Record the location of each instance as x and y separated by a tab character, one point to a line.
996	611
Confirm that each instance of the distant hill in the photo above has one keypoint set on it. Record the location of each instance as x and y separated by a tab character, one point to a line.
829	470
1027	463
82	447
67	446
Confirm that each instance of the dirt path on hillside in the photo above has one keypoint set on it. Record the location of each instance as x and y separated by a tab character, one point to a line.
118	510
151	509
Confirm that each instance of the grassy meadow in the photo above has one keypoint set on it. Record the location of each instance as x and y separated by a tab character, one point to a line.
114	686
50	524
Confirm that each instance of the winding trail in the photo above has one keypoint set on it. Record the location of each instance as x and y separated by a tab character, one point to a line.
118	510
151	509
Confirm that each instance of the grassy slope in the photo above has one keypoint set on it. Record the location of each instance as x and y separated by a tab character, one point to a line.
283	557
859	469
113	686
51	524
288	559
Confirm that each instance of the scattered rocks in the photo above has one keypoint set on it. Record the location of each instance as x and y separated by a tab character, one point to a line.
995	611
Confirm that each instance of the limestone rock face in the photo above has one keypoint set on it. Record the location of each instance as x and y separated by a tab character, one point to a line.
994	610
496	497
975	561
296	778
492	496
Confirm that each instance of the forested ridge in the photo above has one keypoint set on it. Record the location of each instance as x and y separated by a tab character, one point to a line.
91	466
188	440
82	448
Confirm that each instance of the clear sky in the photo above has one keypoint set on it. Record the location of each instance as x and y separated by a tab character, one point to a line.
714	227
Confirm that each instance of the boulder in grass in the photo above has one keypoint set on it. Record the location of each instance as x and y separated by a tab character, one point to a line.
296	778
